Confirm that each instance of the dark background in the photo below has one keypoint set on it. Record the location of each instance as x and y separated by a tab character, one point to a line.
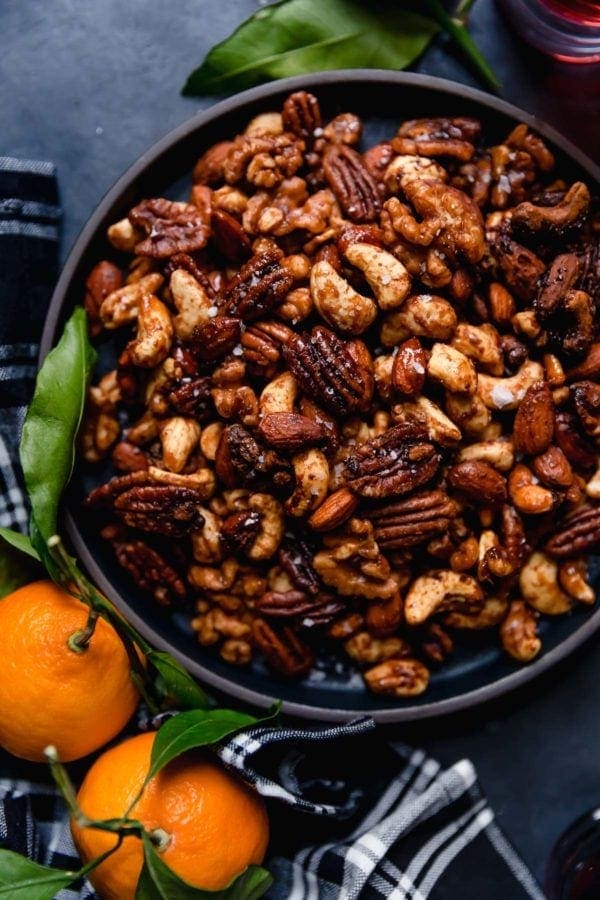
91	85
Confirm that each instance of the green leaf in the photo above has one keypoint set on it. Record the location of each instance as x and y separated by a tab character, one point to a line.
294	37
16	566
50	429
23	879
174	686
159	882
20	542
196	728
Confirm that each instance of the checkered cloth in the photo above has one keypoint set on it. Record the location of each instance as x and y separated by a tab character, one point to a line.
352	816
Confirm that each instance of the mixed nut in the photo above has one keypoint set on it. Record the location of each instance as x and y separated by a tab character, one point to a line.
360	405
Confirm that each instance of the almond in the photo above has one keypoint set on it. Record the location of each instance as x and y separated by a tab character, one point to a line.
408	370
338	507
534	421
479	482
290	431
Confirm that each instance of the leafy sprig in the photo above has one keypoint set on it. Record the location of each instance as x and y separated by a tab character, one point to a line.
47	457
294	37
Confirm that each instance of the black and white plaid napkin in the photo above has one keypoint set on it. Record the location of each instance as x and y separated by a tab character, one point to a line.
352	816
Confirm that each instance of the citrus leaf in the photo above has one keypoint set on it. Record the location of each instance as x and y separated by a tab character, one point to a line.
16	566
159	882
20	542
23	879
174	686
197	728
294	37
48	441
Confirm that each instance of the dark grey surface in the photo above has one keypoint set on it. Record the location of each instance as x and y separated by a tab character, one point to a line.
91	86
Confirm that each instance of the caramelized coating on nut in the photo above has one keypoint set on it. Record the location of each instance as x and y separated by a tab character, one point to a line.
358	396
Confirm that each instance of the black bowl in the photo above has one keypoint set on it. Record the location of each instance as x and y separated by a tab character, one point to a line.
478	671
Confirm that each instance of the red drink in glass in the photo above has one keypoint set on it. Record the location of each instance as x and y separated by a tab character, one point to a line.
569	30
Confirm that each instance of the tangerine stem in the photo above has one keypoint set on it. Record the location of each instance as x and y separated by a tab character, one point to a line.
79	640
160	838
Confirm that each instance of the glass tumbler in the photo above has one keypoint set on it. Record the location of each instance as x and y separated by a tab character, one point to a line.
568	30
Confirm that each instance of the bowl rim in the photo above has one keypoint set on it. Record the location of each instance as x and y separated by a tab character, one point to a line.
229	686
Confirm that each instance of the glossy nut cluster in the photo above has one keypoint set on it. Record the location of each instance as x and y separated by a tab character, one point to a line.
359	403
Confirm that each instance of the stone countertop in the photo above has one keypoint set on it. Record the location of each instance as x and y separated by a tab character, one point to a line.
92	85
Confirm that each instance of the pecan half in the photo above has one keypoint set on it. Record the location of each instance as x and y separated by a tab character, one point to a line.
308	611
283	650
301	114
260	284
150	571
534	421
586	400
438	137
216	338
478	481
578	533
396	462
262	343
414	520
326	371
170	227
352	183
240	460
577	447
295	558
239	532
142	503
191	397
290	431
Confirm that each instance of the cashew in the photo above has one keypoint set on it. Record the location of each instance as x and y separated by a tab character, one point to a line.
592	487
423	315
364	648
572	575
209	439
206	544
411	168
206	578
539	586
265	123
154	333
272	526
179	436
387	277
492	557
499	453
123	236
518	633
482	343
527	494
507	393
492	612
312	482
191	301
382	372
441	591
338	303
452	369
279	395
121	306
526	323
439	426
203	481
468	411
